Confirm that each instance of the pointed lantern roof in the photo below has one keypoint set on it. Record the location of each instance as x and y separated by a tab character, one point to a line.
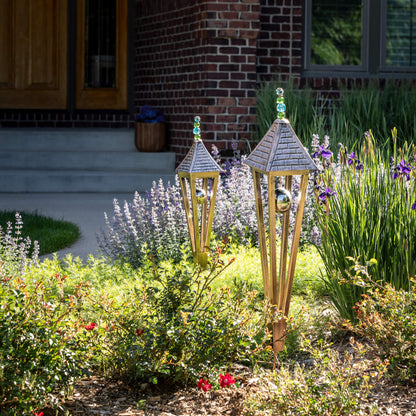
280	150
198	160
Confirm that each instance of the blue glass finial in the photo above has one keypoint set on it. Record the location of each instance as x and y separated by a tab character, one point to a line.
197	129
280	103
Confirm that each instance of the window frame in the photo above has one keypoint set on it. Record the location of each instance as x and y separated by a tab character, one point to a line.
373	47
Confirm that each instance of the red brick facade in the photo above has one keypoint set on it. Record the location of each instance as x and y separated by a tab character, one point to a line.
200	57
279	50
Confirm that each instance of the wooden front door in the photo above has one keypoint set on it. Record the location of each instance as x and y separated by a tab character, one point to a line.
33	66
34	54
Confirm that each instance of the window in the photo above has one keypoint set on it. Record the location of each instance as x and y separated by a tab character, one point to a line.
100	43
101	58
400	33
361	37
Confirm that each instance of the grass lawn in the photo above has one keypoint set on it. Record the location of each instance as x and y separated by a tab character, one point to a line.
52	235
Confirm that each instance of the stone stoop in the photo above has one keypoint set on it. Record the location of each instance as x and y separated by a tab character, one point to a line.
78	160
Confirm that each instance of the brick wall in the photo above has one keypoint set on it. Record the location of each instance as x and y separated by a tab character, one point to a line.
68	119
198	58
279	51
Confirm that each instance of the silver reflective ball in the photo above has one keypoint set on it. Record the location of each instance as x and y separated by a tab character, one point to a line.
201	196
283	200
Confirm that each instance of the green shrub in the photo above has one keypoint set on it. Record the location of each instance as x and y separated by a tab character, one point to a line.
326	384
176	328
366	208
43	345
386	317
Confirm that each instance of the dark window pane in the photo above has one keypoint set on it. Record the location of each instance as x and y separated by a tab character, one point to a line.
336	32
100	43
401	33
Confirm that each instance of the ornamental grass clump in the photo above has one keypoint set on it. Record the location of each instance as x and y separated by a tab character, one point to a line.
377	105
365	203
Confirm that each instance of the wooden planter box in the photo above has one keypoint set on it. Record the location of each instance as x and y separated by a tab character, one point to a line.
150	137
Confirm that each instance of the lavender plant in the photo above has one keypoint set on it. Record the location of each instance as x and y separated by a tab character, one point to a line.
152	224
14	249
155	224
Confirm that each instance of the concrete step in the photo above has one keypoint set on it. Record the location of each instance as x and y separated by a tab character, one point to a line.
80	140
78	160
23	181
97	160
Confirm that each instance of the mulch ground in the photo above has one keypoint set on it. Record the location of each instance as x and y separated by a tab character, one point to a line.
100	396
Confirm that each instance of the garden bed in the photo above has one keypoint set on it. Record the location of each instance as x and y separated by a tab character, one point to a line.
100	396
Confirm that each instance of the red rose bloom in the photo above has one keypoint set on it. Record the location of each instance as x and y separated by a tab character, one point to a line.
226	380
90	326
204	385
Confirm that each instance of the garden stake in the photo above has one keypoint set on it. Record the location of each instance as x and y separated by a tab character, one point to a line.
279	154
198	175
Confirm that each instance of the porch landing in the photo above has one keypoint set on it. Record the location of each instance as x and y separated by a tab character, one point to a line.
78	160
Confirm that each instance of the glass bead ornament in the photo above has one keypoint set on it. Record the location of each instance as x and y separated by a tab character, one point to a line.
197	128
280	103
283	200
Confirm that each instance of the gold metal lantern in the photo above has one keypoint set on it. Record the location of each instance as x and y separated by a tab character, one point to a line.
199	175
279	154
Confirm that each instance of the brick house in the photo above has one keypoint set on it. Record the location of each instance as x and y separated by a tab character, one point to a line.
188	57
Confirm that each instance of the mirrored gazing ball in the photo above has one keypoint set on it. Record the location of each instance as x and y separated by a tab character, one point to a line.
201	196
283	200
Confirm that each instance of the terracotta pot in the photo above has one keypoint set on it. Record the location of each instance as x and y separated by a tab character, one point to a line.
150	137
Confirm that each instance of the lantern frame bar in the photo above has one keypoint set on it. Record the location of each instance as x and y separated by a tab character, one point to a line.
199	228
278	292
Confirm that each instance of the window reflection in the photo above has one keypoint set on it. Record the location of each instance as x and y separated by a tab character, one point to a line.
401	33
336	32
100	43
